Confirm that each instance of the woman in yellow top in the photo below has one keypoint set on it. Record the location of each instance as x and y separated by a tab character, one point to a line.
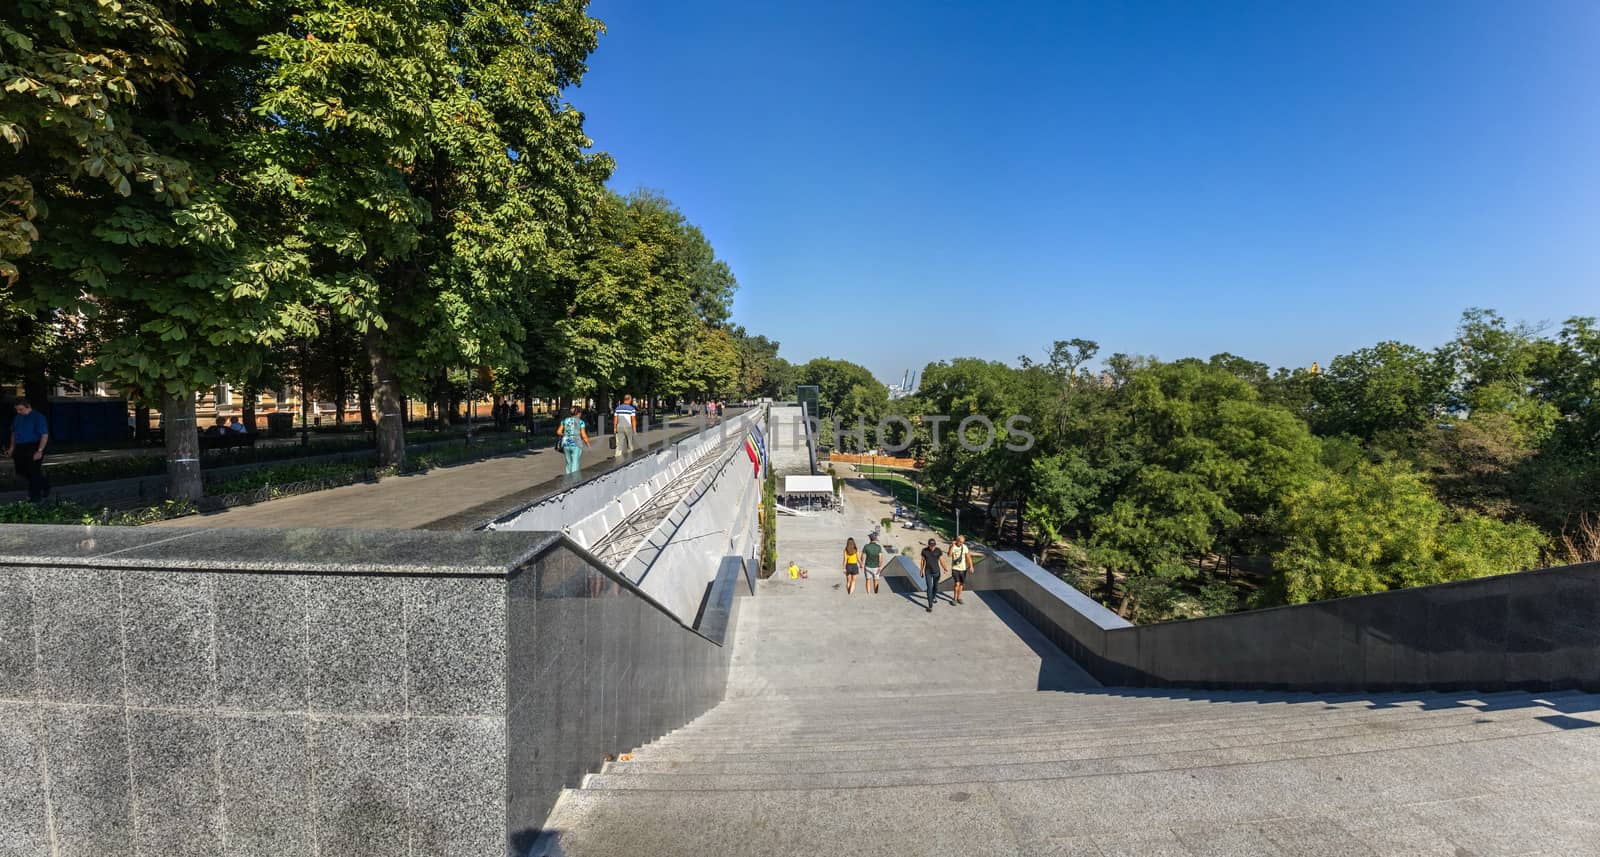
852	566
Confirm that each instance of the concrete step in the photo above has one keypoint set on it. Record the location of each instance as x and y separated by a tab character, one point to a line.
918	770
708	738
760	717
965	751
792	724
1520	795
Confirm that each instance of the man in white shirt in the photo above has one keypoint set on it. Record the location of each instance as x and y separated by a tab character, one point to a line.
624	422
960	564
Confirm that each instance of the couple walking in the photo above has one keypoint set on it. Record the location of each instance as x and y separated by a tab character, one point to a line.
573	435
868	560
934	562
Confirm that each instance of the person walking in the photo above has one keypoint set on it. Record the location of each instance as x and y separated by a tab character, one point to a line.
852	566
872	564
624	422
573	433
960	564
30	434
933	563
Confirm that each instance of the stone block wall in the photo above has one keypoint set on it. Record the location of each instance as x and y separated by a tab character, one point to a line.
183	712
327	693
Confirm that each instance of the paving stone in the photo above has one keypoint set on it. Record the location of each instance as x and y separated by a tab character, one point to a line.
22	789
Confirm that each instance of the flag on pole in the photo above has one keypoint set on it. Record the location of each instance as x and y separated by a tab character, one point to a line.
761	442
753	448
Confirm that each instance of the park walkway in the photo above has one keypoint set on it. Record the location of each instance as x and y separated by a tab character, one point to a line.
455	497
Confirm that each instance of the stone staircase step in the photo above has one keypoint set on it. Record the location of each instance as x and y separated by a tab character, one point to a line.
1003	732
970	751
922	769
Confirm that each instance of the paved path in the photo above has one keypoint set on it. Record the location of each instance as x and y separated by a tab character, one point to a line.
802	638
442	497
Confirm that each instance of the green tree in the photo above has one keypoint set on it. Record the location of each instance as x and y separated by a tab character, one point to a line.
72	75
835	380
151	245
1494	364
1378	527
1390	388
438	174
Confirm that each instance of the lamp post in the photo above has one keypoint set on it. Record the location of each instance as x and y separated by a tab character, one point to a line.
472	406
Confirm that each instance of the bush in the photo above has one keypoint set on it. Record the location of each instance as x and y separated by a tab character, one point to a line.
66	512
769	525
1379	527
284	474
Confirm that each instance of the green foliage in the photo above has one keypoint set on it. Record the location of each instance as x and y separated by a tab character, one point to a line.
843	388
1390	387
647	306
1474	459
288	474
769	524
369	196
1378	527
62	512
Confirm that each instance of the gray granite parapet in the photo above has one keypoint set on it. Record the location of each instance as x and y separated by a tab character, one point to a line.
1532	630
318	692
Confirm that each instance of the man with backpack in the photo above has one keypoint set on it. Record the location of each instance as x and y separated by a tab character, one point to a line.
872	563
960	564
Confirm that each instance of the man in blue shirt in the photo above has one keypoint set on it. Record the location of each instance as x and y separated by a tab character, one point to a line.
30	434
624	422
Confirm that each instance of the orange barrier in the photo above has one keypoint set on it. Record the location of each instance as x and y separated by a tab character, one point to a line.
879	460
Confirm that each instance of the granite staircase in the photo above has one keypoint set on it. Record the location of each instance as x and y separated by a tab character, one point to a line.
862	725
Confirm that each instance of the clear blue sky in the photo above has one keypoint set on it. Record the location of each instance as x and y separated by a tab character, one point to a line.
899	181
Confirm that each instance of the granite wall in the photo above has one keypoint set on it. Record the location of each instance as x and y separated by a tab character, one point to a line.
1535	630
318	692
598	669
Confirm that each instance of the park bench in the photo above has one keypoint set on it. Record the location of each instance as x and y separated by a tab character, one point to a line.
228	440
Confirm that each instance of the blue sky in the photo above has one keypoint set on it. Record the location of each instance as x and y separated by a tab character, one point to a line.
895	182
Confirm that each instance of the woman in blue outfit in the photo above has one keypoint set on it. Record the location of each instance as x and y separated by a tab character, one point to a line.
574	437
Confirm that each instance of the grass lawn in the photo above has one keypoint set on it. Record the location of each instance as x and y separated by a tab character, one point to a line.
905	491
870	470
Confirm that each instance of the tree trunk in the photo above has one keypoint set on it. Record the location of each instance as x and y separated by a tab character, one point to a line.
365	394
340	394
36	387
305	413
35	378
602	407
183	448
1111	583
391	431
247	408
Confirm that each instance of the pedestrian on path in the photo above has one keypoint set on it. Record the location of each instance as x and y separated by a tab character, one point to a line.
933	564
30	434
960	563
872	564
852	565
624	422
573	433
